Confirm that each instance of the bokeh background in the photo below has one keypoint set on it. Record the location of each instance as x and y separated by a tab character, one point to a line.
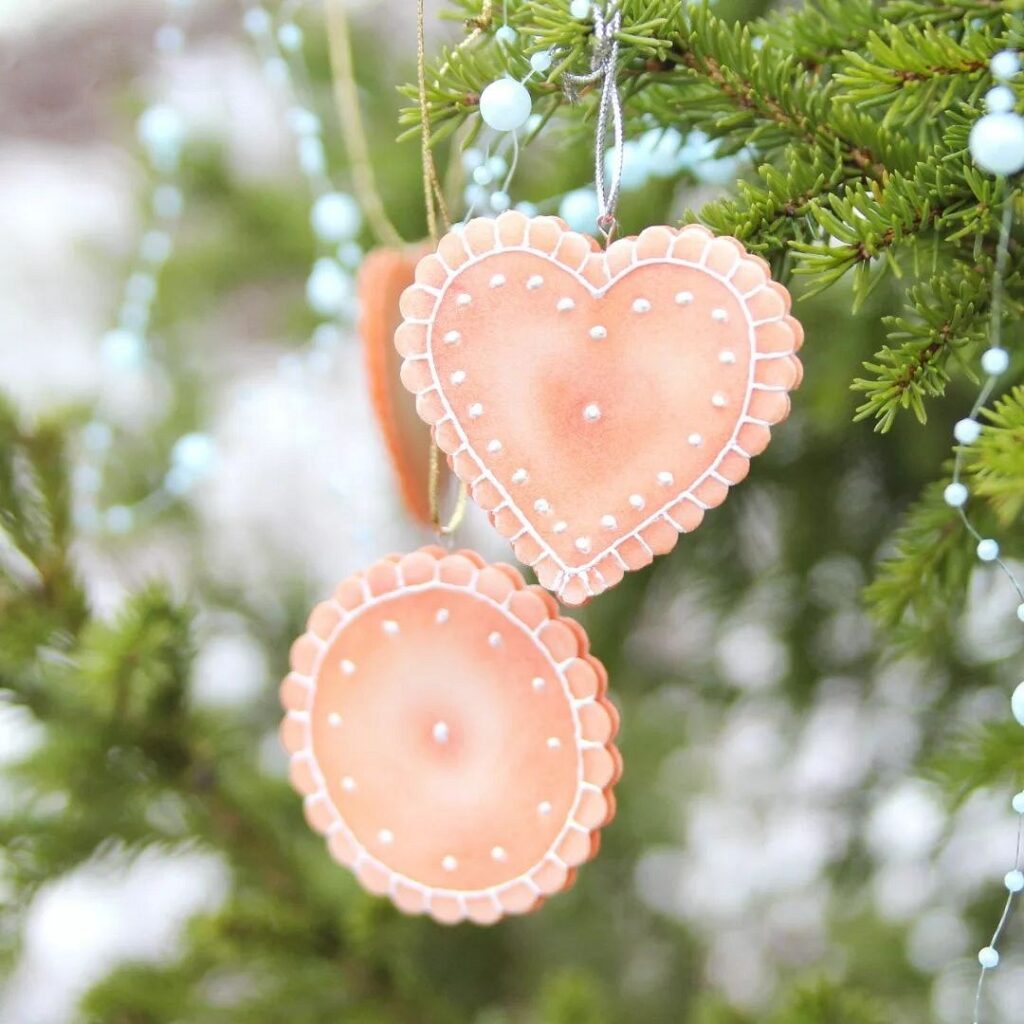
779	830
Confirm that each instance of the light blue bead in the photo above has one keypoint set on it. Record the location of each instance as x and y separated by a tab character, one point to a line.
1000	99
256	21
1014	880
1018	802
530	209
579	8
178	481
119	519
472	158
474	196
967	431
275	71
500	201
335	217
1020	612
505	105
1005	64
350	255
506	34
579	210
988	550
1017	703
497	165
122	350
540	62
328	288
134	317
169	39
87	479
955	495
155	246
140	287
161	131
195	453
988	958
168	202
996	143
482	175
97	435
303	121
312	158
326	336
289	35
995	361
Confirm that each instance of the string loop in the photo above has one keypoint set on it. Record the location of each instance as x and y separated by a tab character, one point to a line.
604	69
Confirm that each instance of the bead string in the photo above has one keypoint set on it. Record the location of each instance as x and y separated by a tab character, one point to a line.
994	362
125	348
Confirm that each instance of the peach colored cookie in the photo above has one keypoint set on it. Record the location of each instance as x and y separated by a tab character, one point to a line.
383	277
597	402
451	736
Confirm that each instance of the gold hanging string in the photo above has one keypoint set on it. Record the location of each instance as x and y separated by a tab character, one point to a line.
364	184
433	194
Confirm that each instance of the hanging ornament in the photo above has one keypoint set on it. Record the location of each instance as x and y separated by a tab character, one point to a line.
598	402
451	736
383	277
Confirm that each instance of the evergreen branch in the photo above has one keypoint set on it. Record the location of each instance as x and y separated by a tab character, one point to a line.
980	758
997	457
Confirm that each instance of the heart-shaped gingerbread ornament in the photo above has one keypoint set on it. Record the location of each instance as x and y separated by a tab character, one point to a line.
451	735
597	402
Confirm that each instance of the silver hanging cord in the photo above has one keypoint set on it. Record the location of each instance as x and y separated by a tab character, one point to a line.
604	69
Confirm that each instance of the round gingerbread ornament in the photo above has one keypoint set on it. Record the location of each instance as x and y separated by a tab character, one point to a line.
597	402
451	736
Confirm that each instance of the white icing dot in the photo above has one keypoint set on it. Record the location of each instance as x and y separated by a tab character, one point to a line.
636	501
441	732
520	476
451	337
348	667
386	836
727	357
719	316
390	627
534	282
554	742
542	505
497	281
538	683
348	783
684	298
494	446
609	522
498	853
597	332
565	304
666	479
561	526
718	400
476	410
583	544
449	863
592	412
641	306
441	616
464	299
544	807
458	377
494	639
334	718
696	440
